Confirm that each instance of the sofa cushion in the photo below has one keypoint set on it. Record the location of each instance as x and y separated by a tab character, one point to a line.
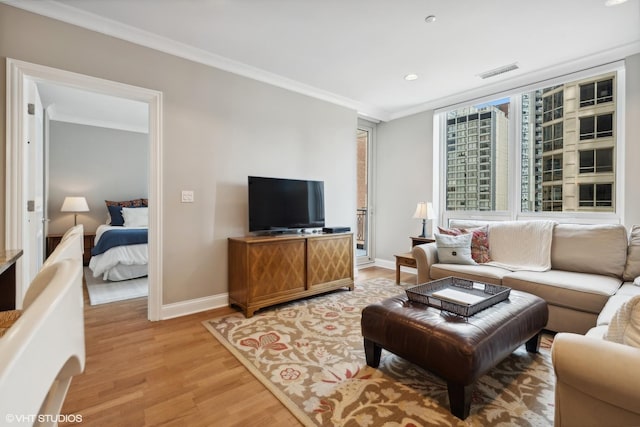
578	291
479	273
454	249
624	327
597	249
626	292
632	267
597	332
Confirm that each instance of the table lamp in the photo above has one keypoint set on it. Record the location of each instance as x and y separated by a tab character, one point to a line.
424	211
75	205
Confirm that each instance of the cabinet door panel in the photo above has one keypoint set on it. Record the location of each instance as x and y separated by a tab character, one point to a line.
276	268
330	259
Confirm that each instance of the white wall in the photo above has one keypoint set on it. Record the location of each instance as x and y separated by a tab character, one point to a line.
218	129
97	163
403	178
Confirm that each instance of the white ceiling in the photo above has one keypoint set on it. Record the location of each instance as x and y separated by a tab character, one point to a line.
356	52
73	105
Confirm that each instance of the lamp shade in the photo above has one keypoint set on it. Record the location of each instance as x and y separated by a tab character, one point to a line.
74	204
424	210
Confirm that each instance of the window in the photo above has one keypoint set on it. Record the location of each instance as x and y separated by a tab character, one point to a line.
483	158
552	198
596	195
596	160
596	92
552	105
552	168
545	127
592	127
552	137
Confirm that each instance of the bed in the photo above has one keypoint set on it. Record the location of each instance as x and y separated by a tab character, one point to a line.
120	250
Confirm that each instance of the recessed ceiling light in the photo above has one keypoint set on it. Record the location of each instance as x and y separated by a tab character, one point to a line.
429	19
614	2
410	77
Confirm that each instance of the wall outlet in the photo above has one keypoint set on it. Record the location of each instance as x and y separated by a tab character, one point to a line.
187	196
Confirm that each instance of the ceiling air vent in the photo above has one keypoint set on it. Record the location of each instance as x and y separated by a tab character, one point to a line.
499	70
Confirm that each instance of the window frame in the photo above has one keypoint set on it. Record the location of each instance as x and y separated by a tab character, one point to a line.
514	210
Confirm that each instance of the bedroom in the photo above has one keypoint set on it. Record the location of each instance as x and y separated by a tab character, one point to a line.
97	149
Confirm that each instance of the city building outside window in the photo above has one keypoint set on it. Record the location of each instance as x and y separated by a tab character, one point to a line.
566	141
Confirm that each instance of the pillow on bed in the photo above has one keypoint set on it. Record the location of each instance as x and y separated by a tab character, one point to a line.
135	203
115	213
135	217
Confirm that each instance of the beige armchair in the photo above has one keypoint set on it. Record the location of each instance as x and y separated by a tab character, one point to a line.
598	382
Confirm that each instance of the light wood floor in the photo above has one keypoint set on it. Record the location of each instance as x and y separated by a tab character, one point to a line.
169	373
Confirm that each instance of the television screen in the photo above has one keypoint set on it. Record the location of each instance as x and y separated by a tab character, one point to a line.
278	204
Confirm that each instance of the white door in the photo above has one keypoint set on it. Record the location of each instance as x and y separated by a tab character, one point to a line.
34	179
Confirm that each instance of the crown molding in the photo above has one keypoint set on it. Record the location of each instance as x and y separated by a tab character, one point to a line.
575	65
55	10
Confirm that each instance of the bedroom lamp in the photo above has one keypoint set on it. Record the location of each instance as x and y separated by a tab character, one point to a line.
424	211
75	205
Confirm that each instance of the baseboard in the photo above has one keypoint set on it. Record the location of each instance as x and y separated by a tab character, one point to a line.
184	308
391	265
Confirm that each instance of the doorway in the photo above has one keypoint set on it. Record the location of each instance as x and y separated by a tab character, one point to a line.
364	212
18	174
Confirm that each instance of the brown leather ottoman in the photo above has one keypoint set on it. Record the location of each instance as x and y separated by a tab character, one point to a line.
458	349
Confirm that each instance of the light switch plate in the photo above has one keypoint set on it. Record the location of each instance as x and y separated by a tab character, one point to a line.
187	196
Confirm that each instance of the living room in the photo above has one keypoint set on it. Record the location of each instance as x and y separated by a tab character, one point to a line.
220	127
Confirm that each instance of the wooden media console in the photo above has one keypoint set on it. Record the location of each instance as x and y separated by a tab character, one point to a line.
268	270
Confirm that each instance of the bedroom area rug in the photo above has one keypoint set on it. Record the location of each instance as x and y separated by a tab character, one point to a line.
103	292
310	355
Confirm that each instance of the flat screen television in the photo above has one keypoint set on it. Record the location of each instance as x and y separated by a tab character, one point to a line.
281	205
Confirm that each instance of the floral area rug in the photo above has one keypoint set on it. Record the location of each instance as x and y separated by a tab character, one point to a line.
310	355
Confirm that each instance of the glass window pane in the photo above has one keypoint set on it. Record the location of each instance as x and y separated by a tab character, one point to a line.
586	161
587	128
605	125
587	94
605	91
604	160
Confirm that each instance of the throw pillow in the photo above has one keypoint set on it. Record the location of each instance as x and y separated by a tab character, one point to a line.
479	241
624	327
135	217
454	249
115	213
135	203
632	268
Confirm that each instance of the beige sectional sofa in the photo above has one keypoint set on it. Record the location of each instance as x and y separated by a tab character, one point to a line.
593	268
588	264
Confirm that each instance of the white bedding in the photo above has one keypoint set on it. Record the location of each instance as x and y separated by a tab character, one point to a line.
120	262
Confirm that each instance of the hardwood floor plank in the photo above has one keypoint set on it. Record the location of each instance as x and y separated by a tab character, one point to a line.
170	373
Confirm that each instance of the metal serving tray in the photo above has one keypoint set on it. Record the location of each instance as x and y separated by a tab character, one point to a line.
459	296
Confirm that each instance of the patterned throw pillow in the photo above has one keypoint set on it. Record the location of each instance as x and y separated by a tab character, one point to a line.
135	203
479	241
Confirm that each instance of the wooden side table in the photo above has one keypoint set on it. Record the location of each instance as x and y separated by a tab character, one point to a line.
405	259
415	240
54	239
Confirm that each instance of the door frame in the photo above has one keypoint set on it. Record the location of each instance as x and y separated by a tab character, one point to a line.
370	128
15	201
